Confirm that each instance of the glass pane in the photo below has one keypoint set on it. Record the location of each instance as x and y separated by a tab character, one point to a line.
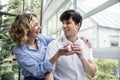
33	6
109	17
52	26
103	28
87	5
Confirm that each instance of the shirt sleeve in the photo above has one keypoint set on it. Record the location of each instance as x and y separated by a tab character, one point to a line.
46	38
87	52
34	67
90	53
51	49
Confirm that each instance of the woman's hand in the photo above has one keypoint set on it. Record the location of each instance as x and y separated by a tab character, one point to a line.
87	41
61	52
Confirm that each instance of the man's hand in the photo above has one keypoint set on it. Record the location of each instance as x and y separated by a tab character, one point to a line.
65	51
78	50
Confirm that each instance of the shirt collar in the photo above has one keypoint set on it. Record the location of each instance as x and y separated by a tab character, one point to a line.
26	46
65	40
23	46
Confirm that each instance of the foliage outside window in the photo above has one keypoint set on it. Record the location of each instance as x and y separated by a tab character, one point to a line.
107	69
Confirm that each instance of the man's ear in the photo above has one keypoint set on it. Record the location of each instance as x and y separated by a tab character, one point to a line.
78	26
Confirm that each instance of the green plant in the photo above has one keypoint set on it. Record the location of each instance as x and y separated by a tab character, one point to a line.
15	67
7	76
106	69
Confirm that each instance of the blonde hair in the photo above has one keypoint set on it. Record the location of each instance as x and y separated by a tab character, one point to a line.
20	28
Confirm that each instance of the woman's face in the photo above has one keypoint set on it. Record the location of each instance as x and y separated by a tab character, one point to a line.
35	29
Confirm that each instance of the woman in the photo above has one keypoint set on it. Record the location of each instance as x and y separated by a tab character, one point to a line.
30	49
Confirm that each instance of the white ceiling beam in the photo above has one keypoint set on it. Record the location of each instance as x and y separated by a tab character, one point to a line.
100	8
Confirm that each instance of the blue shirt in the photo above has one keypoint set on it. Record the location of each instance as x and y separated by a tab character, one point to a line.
33	61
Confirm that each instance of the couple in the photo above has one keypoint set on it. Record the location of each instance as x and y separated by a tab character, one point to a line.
68	57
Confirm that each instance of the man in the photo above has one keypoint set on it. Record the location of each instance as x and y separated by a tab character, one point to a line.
76	65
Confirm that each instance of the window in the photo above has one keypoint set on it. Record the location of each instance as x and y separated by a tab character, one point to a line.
114	44
114	41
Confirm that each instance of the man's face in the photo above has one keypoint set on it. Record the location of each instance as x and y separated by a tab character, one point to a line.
70	28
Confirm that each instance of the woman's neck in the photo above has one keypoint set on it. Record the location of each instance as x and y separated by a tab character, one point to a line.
32	42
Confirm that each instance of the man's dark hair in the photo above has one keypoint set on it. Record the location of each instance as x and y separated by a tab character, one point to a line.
76	16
